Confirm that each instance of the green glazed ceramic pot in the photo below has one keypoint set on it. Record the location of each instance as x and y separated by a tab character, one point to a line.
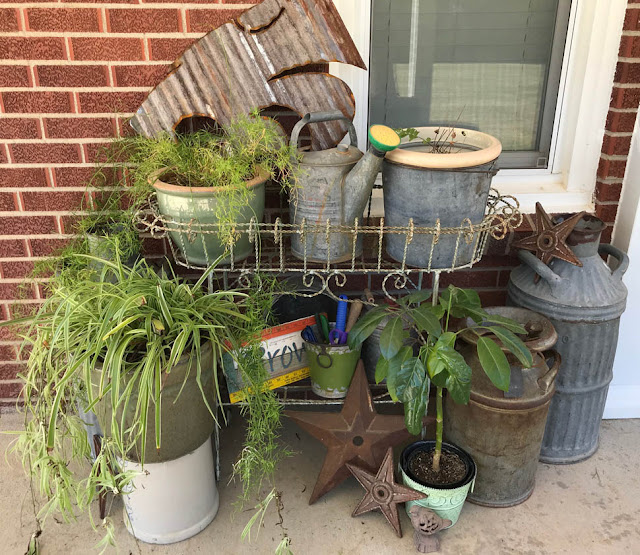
445	501
197	206
331	368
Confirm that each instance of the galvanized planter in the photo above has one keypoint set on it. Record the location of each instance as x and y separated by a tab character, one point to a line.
332	188
448	190
445	501
503	431
584	304
196	206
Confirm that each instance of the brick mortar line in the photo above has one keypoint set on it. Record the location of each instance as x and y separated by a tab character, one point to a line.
40	213
79	89
614	157
630	33
607	202
635	85
63	140
618	133
43	236
54	164
629	59
61	62
131	7
72	115
71	189
28	279
611	180
100	35
623	110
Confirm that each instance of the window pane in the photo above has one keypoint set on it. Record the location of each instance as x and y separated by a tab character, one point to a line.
485	64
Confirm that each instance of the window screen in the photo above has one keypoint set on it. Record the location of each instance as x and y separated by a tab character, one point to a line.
491	65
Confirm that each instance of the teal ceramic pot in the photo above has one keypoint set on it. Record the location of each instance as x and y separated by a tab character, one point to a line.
198	206
445	501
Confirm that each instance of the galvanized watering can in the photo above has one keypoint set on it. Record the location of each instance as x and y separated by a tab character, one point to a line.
333	188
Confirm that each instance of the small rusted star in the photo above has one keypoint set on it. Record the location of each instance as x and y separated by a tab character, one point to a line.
549	241
383	492
358	434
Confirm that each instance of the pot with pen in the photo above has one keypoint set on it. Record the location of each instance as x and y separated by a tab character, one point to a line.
331	362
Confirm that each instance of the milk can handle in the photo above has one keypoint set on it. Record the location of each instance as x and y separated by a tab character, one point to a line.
545	382
541	269
317	117
623	259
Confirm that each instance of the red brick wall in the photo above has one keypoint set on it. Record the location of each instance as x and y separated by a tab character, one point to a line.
68	77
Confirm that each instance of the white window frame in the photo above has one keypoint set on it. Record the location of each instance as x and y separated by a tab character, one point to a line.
589	63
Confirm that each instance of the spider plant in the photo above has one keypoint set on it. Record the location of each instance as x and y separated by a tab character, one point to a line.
438	362
114	342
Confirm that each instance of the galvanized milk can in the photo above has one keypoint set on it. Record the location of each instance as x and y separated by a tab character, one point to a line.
584	304
503	431
333	187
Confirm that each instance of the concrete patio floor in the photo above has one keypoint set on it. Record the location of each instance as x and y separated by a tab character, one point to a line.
588	508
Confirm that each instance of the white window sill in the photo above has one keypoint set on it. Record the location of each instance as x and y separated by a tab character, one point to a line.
528	188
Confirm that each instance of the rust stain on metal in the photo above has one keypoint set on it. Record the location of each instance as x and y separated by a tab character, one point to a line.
549	240
238	67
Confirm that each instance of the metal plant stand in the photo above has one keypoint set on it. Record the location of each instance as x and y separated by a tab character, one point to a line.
272	256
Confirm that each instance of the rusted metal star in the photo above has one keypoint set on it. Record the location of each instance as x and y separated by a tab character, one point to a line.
549	241
357	435
383	492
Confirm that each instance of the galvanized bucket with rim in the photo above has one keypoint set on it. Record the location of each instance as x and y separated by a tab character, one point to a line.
503	431
431	189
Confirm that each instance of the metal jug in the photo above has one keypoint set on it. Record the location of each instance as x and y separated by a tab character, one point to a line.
332	188
584	305
503	431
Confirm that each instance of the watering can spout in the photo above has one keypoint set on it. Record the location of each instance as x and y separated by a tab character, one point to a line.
359	182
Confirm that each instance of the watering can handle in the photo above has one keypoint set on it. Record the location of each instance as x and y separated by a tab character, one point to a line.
539	267
621	257
545	382
317	117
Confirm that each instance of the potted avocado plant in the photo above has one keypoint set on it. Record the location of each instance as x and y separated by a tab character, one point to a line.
141	351
209	181
443	471
438	177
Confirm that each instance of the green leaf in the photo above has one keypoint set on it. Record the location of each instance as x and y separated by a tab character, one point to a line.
416	297
365	326
415	407
382	369
392	337
409	378
458	381
494	363
394	367
426	320
507	323
514	344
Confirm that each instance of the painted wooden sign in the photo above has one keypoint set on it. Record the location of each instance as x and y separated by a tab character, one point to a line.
284	355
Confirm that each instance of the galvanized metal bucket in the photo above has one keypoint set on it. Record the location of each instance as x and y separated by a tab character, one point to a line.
584	305
436	196
503	431
445	501
331	368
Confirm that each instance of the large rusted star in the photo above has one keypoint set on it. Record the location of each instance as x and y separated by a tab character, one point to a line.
383	492
549	241
357	435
